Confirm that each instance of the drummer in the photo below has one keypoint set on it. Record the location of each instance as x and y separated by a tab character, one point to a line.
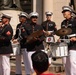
38	41
49	27
70	22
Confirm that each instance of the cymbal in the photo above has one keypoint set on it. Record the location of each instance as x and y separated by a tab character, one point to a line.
36	34
63	31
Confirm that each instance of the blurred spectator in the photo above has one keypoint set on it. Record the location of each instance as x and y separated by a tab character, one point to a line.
40	63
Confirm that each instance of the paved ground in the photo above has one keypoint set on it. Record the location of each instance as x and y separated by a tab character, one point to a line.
56	67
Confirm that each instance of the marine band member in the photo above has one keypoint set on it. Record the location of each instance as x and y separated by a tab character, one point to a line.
6	33
69	22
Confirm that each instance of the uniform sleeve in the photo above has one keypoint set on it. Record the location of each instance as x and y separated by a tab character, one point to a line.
43	25
55	28
7	35
61	25
74	27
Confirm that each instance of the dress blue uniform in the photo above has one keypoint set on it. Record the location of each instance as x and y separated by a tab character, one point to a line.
38	44
70	61
49	26
6	33
21	36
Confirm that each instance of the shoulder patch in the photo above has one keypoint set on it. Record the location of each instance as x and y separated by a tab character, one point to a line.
8	33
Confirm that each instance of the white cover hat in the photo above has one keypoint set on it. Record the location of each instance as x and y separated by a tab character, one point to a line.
23	14
33	14
48	13
7	15
67	8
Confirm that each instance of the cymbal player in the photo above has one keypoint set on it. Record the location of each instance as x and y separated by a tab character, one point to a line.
69	22
34	40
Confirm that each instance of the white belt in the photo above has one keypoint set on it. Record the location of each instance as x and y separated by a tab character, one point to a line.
72	35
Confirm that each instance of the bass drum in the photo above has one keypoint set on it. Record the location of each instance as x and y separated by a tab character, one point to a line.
59	50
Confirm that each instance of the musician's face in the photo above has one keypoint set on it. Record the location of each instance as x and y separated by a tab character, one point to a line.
34	19
67	15
4	20
48	17
22	19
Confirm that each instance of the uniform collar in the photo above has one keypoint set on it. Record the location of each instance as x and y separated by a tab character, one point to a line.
48	20
69	19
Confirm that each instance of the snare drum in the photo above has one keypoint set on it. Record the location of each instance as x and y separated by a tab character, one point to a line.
16	49
59	49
